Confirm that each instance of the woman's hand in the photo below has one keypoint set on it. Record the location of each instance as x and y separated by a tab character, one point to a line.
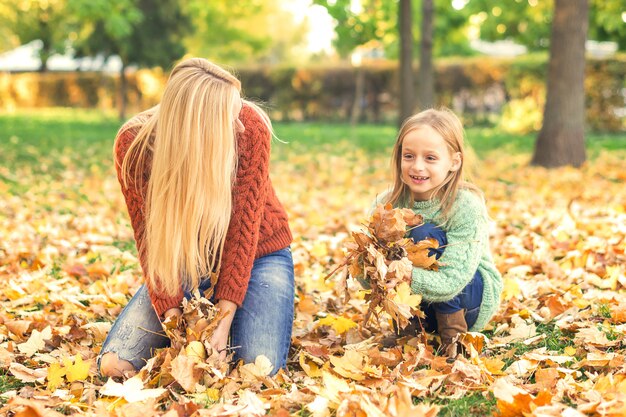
219	340
172	312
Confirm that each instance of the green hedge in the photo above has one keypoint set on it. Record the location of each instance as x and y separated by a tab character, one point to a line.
507	91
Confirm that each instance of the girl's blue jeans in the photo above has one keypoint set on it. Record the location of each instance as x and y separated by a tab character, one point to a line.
261	326
469	299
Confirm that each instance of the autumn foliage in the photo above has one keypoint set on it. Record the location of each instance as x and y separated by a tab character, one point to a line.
382	259
555	347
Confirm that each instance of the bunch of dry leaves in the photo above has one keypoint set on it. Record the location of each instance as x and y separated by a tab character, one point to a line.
556	346
382	258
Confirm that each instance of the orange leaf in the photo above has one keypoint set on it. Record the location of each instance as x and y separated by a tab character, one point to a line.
388	224
418	253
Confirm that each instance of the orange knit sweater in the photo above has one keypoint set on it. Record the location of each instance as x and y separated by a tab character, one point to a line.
258	225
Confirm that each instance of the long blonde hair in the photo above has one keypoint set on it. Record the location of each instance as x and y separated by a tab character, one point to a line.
190	143
448	125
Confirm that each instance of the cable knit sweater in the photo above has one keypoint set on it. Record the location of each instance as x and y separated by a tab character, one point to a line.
467	251
258	224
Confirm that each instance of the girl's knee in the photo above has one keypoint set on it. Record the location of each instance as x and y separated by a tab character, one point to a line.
112	366
429	230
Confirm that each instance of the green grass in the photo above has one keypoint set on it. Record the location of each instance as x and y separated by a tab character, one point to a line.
26	135
472	404
53	140
8	383
475	404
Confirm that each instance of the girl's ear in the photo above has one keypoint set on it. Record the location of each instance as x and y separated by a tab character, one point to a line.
456	161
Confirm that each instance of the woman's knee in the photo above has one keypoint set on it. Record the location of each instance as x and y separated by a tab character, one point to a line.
112	366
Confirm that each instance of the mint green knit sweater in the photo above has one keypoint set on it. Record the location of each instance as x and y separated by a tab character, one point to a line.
466	252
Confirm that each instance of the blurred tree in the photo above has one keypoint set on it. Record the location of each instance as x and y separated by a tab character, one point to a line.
141	32
607	23
244	31
528	21
382	21
561	140
28	20
373	20
377	20
426	75
407	101
525	21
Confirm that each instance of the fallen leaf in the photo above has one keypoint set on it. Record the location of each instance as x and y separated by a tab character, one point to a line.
184	370
132	390
339	324
27	375
36	341
56	372
76	370
261	368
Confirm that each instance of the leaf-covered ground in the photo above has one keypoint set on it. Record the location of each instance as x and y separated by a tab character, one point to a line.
556	347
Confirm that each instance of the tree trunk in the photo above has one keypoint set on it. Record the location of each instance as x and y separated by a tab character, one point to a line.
359	86
44	55
426	79
561	140
44	63
122	93
405	18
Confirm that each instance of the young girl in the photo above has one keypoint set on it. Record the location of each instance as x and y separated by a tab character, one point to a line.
194	171
428	177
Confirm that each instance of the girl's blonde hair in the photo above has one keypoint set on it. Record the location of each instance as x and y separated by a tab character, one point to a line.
448	125
189	146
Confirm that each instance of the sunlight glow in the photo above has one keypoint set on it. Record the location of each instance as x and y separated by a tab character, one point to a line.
320	23
459	4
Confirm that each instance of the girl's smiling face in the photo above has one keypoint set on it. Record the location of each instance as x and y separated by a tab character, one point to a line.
426	161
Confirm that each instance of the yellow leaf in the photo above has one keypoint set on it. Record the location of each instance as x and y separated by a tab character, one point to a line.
308	365
511	289
405	297
319	250
55	376
196	349
339	324
77	371
570	351
213	394
350	365
494	365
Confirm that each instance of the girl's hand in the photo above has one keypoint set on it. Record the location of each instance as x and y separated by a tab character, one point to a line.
219	340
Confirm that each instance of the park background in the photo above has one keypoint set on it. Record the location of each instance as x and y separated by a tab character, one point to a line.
540	86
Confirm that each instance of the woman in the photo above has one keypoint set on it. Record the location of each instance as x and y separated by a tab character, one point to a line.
194	171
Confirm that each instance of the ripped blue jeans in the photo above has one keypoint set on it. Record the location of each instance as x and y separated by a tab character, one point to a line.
261	326
468	299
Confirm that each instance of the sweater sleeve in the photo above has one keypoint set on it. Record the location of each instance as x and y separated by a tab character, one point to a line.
135	203
249	196
466	232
